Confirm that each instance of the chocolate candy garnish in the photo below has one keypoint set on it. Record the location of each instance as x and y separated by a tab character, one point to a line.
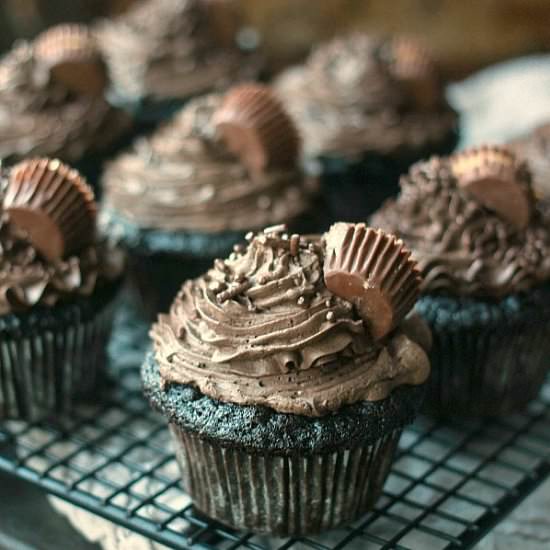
490	175
53	205
256	128
373	271
413	66
70	53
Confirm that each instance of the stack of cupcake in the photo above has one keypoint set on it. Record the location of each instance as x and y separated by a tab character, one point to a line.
286	360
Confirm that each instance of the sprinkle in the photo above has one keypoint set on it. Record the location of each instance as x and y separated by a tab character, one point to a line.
285	237
328	302
249	236
301	301
294	244
280	228
238	249
330	316
233	291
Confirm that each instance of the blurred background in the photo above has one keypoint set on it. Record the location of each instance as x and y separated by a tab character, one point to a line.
464	35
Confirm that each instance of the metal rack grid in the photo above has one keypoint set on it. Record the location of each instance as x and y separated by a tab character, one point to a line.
451	483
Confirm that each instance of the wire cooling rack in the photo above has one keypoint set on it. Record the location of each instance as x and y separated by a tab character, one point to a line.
450	485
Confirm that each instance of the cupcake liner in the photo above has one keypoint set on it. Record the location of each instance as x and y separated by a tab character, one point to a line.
488	358
356	188
49	359
284	495
253	468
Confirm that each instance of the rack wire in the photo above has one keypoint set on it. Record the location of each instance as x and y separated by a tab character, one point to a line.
450	485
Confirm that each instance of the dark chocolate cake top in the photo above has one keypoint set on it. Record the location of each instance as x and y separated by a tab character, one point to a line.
473	224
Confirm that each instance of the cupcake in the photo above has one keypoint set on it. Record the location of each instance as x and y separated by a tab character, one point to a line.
224	165
367	108
57	286
52	100
483	246
535	149
162	52
287	373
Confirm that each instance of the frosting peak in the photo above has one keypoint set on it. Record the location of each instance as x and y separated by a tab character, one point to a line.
44	257
51	99
184	178
262	328
473	224
362	92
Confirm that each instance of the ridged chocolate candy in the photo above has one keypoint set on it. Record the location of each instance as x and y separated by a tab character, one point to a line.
372	270
70	53
53	205
257	129
490	175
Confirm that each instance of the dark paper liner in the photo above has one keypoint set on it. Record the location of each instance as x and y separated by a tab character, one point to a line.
356	188
51	358
488	358
283	495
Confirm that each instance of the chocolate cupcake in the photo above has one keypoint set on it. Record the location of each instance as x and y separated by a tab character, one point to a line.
52	100
482	244
162	52
367	108
57	286
224	165
287	373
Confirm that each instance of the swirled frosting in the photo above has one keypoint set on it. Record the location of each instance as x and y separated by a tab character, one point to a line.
347	101
463	248
183	178
28	279
262	328
168	49
535	149
39	116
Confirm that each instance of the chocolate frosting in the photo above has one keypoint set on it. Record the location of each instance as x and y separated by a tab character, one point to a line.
28	279
40	116
462	247
347	99
169	49
262	328
184	178
535	149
